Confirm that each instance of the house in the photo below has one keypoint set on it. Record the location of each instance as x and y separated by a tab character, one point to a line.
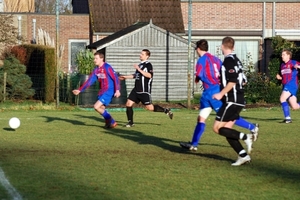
169	53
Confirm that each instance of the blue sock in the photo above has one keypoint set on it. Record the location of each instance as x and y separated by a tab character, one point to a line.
286	109
199	129
106	115
244	124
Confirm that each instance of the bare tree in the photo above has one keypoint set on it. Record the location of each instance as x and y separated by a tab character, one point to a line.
49	6
8	32
19	6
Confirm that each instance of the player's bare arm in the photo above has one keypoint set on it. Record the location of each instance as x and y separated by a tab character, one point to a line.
225	90
123	77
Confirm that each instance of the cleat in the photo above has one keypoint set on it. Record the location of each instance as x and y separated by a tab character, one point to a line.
113	125
255	132
169	113
107	123
241	161
287	121
129	124
249	142
188	145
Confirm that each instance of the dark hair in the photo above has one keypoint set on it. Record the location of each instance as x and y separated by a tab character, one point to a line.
101	55
202	45
147	52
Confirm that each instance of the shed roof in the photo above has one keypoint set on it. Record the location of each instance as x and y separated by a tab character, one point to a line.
127	32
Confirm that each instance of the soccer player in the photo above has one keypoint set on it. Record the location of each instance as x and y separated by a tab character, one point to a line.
208	71
142	90
109	87
232	95
288	74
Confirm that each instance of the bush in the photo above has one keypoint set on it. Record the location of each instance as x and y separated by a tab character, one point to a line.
18	84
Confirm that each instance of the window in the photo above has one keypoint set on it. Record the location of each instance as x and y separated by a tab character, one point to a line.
74	47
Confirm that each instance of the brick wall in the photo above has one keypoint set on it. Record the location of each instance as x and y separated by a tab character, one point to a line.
230	16
70	27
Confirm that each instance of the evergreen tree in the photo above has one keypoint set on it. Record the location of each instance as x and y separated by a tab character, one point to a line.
18	84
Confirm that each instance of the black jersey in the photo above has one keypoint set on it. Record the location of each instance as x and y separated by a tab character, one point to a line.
232	71
142	83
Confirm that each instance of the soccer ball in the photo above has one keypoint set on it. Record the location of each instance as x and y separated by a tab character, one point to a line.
14	123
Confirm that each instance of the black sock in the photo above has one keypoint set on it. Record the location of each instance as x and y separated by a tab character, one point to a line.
229	133
129	113
158	108
236	145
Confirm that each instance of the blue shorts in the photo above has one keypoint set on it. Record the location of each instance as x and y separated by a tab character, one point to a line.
292	89
106	98
206	100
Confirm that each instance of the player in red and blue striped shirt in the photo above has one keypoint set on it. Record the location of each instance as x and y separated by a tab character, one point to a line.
288	74
208	71
109	87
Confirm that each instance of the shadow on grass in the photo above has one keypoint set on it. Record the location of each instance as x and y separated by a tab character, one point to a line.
164	143
71	121
9	129
120	123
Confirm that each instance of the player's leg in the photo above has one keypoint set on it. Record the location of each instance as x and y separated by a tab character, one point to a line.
99	106
205	110
293	102
285	95
129	113
145	98
254	128
224	121
293	98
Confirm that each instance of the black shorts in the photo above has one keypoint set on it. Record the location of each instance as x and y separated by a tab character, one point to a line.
145	98
229	112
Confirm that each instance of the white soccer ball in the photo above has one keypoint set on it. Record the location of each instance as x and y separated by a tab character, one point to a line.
14	123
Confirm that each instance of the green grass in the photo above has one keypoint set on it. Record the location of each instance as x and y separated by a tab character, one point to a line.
67	154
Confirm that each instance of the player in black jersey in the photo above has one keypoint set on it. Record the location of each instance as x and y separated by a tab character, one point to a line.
142	88
232	95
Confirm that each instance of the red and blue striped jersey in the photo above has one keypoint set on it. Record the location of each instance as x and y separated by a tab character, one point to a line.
288	73
107	78
208	70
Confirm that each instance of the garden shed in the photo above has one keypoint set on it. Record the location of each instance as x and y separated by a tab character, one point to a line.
169	57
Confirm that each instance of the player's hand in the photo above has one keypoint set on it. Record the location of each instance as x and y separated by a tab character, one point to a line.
217	96
76	92
117	94
122	78
197	79
278	77
137	67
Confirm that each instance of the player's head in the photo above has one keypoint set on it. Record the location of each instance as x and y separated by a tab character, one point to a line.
227	44
202	45
286	55
99	58
145	54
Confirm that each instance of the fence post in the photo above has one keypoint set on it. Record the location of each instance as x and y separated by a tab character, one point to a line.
4	85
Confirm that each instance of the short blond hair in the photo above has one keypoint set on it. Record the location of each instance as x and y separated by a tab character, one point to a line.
228	42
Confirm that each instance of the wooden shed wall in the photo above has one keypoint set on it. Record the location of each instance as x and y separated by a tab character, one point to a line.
169	57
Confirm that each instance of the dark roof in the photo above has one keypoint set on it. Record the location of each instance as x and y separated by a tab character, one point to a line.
116	35
114	15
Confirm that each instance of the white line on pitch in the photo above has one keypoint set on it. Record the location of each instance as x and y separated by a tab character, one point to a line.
10	189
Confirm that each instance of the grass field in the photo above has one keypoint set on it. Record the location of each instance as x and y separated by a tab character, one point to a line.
67	154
